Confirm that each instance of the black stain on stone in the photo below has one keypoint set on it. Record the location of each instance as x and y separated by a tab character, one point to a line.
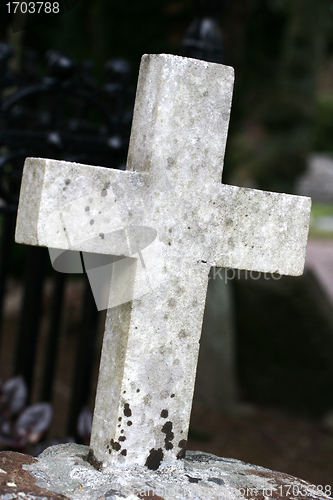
101	235
216	480
138	390
129	423
122	438
182	446
67	182
104	192
231	242
119	419
115	445
172	396
92	460
92	222
192	479
154	459
182	334
164	413
169	435
124	452
127	410
87	209
170	162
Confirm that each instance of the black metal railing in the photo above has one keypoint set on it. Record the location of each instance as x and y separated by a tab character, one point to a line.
63	115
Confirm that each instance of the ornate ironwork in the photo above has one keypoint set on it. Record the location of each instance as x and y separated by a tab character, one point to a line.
63	115
6	76
66	116
203	39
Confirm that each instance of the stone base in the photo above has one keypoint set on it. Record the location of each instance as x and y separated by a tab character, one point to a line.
62	471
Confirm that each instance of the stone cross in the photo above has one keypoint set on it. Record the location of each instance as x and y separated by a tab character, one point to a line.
167	219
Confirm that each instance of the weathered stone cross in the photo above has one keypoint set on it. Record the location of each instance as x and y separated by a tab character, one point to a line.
169	219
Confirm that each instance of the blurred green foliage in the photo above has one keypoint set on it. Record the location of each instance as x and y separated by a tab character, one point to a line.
323	125
275	131
321	224
278	49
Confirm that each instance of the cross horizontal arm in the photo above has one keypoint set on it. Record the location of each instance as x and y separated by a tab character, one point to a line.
79	207
260	231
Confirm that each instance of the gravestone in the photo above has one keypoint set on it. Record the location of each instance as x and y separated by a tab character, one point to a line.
216	384
317	180
166	220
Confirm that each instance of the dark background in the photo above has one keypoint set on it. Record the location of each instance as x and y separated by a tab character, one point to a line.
282	52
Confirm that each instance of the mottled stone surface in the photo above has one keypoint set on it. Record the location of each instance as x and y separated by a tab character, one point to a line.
172	218
63	469
17	483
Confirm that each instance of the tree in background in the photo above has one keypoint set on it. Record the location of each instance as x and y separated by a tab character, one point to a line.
275	134
276	46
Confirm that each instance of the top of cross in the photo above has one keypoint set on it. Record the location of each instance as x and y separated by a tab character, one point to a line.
186	120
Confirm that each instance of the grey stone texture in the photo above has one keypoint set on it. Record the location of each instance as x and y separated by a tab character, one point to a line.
167	219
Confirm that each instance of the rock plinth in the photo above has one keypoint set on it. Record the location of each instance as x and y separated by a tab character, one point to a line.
63	471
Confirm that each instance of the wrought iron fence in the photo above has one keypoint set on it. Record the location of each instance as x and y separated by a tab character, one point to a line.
62	115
